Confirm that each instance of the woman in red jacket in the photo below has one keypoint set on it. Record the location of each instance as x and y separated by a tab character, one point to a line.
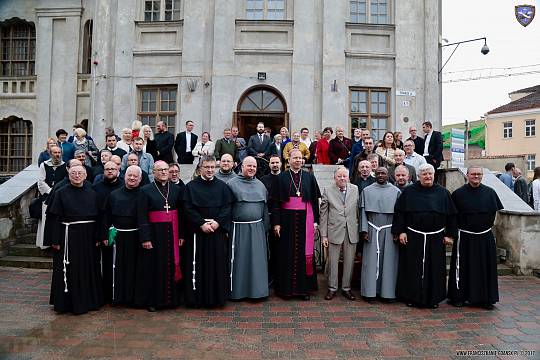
323	145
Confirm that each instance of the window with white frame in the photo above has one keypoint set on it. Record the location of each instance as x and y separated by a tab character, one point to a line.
530	127
531	162
507	129
265	9
369	11
162	10
369	109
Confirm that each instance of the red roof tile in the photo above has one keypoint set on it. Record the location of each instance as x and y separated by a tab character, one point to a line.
530	101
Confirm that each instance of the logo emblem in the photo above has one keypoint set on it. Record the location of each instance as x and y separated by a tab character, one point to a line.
525	14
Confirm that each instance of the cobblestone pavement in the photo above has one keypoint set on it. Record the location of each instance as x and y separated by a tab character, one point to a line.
272	329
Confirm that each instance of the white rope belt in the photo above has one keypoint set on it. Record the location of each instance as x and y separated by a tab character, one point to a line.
425	240
233	238
114	257
194	257
378	230
458	241
66	246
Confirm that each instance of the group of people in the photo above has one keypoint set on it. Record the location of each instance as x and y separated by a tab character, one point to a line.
528	192
126	230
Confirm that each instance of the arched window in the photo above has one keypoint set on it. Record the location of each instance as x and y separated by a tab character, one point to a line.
17	48
87	48
262	100
15	144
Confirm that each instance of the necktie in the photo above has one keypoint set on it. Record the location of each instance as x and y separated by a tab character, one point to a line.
260	138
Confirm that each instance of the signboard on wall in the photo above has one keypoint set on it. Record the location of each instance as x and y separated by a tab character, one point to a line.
458	148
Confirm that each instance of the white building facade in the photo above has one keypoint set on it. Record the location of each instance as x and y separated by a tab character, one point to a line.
294	63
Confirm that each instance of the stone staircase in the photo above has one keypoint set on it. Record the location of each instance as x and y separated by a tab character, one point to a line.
25	254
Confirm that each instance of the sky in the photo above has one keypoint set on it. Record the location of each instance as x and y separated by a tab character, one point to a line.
510	45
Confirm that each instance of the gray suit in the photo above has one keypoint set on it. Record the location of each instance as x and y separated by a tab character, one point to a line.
339	222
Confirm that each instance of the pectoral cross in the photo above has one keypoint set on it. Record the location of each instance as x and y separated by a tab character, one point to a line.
166	207
298	193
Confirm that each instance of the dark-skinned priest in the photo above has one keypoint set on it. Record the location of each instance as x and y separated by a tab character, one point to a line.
424	221
160	234
76	281
249	256
207	203
295	214
120	233
473	268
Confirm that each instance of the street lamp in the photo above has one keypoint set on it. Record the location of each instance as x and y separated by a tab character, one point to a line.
484	50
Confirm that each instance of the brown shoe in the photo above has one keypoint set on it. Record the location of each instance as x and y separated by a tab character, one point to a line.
330	295
348	294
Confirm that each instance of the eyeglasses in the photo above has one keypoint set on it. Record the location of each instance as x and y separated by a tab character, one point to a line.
162	170
208	167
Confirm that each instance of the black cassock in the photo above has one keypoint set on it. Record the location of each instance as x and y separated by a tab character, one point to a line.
269	182
207	261
292	277
424	209
105	253
82	274
156	285
477	274
121	212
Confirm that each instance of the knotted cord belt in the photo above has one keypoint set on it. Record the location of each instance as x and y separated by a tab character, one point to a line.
114	256
233	239
425	240
458	241
66	246
378	230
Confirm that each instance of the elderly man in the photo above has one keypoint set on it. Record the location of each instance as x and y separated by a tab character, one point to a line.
225	172
296	143
258	142
340	147
207	202
412	157
225	145
119	231
520	185
401	175
250	222
399	157
160	233
417	140
104	157
473	268
339	230
363	176
240	143
295	213
380	253
76	281
133	160
81	156
127	139
425	222
146	161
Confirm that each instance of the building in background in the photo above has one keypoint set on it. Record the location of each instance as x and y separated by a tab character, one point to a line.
298	63
511	128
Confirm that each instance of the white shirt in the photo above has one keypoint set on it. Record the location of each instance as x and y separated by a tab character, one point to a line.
536	194
415	161
306	141
427	140
188	141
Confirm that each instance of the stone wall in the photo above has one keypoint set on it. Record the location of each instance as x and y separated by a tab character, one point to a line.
15	220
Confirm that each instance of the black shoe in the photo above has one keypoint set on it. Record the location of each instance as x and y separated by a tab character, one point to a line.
388	301
330	295
410	304
488	306
348	295
305	297
151	309
435	306
368	299
456	303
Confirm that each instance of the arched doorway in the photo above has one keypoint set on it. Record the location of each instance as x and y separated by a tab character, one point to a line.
15	145
261	103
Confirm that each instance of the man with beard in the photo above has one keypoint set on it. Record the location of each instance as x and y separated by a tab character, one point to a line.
161	234
425	221
380	253
164	143
258	142
103	188
295	213
76	281
249	269
120	232
473	268
207	202
225	172
401	174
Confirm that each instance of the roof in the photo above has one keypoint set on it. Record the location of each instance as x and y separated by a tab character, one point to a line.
530	101
531	89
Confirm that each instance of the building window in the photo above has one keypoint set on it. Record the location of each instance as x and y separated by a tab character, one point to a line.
15	145
507	130
265	9
530	127
162	10
158	104
87	48
17	48
369	109
369	11
531	162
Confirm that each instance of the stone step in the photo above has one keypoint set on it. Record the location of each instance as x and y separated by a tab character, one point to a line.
30	262
26	239
28	250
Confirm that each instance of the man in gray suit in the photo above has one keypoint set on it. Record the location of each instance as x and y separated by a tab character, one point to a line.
339	227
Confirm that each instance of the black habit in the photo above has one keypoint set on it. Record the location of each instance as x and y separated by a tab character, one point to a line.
424	209
477	274
270	181
207	260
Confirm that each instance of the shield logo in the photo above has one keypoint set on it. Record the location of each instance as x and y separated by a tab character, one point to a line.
525	14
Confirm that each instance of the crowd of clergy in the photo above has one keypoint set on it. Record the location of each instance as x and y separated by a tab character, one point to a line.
125	230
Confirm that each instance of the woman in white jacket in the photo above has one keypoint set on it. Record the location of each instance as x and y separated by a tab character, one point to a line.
203	147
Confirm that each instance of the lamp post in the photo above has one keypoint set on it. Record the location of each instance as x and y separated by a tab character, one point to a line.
484	50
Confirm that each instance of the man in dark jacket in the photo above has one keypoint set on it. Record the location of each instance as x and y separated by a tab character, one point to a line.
164	143
185	143
433	148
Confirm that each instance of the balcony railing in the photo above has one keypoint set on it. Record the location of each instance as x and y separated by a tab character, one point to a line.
23	87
